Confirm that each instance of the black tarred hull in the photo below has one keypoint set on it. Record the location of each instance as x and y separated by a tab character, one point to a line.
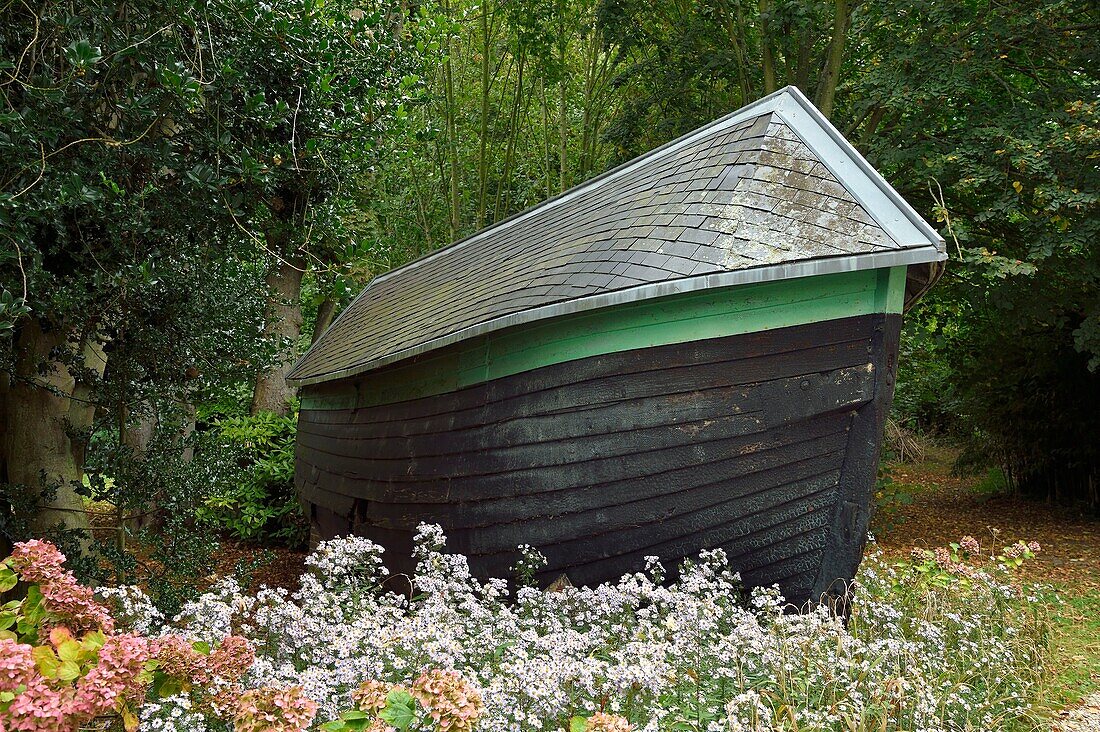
764	444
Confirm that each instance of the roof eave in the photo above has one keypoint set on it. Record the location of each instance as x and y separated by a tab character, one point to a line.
765	273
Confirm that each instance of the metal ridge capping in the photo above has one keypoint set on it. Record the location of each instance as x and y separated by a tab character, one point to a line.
909	240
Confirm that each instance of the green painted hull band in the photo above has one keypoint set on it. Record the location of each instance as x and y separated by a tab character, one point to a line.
657	322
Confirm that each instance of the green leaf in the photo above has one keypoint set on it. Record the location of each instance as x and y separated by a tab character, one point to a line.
68	670
400	711
357	724
34	609
577	724
70	650
165	685
83	53
93	641
47	663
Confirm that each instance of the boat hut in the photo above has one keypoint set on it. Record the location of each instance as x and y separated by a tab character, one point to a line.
693	350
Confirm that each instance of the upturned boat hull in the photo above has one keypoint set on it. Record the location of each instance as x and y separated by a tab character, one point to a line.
762	443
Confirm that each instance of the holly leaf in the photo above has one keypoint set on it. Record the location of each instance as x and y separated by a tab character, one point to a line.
83	53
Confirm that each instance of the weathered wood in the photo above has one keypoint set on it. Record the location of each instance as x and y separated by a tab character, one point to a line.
743	443
852	517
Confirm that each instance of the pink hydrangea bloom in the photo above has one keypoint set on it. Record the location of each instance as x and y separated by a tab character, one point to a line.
232	658
16	664
39	709
114	679
179	658
41	563
37	561
270	709
371	695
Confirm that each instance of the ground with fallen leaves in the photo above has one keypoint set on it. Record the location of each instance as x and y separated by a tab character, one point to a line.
946	507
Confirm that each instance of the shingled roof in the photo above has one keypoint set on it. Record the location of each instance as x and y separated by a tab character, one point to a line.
772	191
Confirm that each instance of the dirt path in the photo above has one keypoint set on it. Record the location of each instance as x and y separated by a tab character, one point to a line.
1084	718
946	507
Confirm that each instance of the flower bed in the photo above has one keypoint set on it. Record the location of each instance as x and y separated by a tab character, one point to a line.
933	644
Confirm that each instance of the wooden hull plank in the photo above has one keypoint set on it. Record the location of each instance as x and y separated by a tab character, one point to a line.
763	444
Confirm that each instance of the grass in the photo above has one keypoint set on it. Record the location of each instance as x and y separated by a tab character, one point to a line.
1075	647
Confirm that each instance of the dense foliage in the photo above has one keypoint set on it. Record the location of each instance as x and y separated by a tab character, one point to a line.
989	119
260	504
167	169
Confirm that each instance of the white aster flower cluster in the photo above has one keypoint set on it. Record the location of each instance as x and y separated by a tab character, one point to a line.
695	653
132	608
172	714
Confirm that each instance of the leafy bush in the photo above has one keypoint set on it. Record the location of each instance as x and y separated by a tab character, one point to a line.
262	504
64	665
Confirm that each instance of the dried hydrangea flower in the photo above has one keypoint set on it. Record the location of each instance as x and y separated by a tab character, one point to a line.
450	700
370	696
601	722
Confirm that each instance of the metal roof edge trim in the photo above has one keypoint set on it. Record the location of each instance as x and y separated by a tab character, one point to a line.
768	273
871	199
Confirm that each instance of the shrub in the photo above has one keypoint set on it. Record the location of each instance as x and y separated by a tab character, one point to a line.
63	663
261	505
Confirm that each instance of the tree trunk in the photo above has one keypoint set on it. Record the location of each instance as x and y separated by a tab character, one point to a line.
284	325
482	153
39	449
830	74
187	429
137	435
454	218
766	42
5	385
326	312
5	537
82	406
